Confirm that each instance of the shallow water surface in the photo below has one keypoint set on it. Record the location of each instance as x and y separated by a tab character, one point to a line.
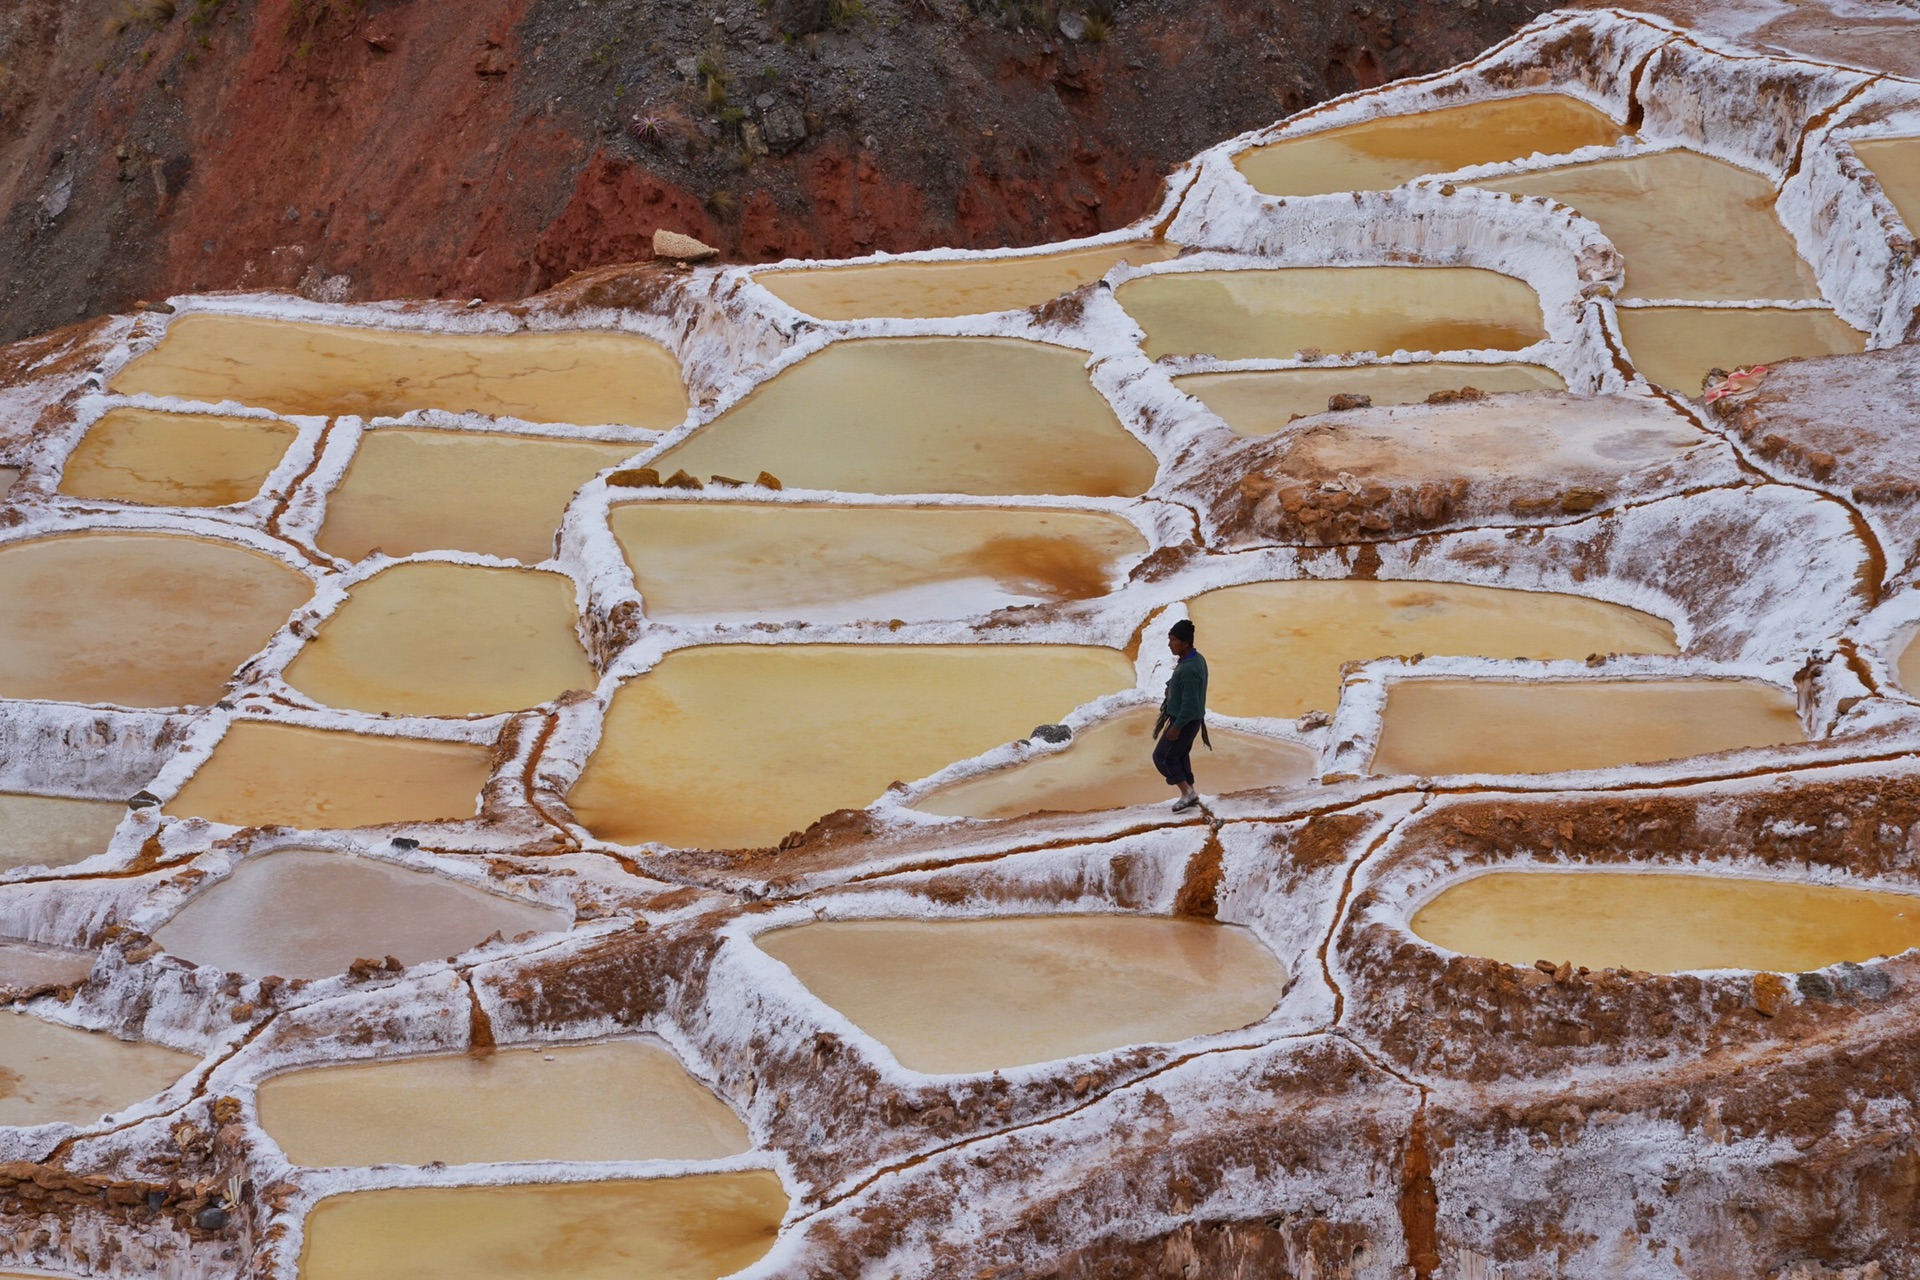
503	495
936	289
26	966
983	995
1676	346
589	378
1506	726
7	476
279	774
1689	225
927	415
1244	315
1261	403
175	459
699	1227
309	913
1110	766
1896	163
52	1074
1275	648
435	639
628	1100
745	561
1377	155
54	831
1662	923
136	619
737	745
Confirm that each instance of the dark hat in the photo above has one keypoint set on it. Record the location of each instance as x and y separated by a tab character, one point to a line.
1182	631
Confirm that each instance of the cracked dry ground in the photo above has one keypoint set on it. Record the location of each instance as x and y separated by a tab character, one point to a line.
650	780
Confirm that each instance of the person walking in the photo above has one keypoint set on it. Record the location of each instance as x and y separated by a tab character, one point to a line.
1183	716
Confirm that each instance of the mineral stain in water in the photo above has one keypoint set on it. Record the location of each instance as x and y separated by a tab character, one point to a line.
728	746
408	491
937	289
927	415
751	561
1261	403
590	378
1377	155
948	996
290	775
1504	726
1676	346
436	639
1277	647
53	831
175	459
1896	164
308	913
1666	923
51	1074
136	619
699	1227
1244	315
1109	766
628	1100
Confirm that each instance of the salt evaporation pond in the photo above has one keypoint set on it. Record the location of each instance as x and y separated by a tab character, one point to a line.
309	913
927	415
437	639
175	459
753	561
1690	226
948	996
1907	666
408	491
1109	766
591	378
1505	726
60	1075
736	745
136	619
1277	647
54	831
932	290
7	476
628	1100
1377	155
699	1227
289	775
1667	923
1254	314
25	966
1896	164
1676	346
1263	402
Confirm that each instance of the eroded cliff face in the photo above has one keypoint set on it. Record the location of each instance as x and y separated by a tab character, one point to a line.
377	148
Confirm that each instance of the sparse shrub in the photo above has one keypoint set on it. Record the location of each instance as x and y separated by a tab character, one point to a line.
842	14
713	77
723	205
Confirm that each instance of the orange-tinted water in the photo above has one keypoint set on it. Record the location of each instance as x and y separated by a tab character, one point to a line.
175	459
933	289
1261	403
1676	346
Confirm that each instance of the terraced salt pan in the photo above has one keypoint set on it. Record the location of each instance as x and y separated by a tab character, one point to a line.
1276	648
53	831
7	476
938	289
1109	766
1661	923
1263	402
26	967
436	639
1907	666
290	775
751	561
1676	346
294	367
306	913
1244	315
1376	155
1690	226
984	995
1502	726
502	495
137	619
690	1228
55	1074
622	1101
982	416
1896	163
737	745
175	459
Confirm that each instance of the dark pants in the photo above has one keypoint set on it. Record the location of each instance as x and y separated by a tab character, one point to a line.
1173	757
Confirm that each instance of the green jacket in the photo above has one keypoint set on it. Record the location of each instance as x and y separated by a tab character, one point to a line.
1186	699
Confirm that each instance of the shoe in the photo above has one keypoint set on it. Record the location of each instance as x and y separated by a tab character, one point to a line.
1185	803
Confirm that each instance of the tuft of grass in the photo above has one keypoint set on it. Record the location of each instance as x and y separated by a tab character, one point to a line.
723	205
842	14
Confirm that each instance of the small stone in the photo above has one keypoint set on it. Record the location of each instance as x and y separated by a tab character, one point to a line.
1348	400
1770	994
1052	733
143	800
1544	966
681	479
767	480
1580	499
681	248
635	478
405	843
212	1218
1073	25
726	482
783	127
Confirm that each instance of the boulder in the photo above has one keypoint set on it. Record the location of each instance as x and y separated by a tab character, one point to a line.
681	248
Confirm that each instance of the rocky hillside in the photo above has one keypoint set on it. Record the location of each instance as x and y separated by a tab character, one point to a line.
356	149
